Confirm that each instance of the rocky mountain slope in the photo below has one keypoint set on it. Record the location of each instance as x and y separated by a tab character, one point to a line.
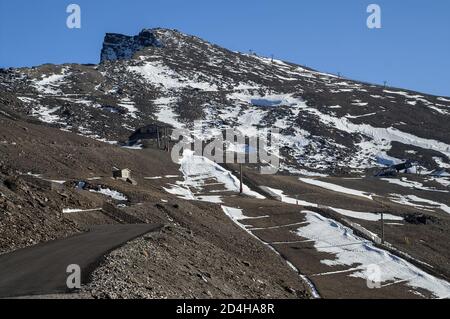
63	130
328	124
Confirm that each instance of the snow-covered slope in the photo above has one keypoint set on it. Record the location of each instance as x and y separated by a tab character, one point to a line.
328	124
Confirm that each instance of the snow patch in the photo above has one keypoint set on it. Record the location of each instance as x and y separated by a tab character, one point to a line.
365	216
165	112
412	200
279	194
110	193
159	74
335	188
76	210
352	251
198	169
49	85
404	182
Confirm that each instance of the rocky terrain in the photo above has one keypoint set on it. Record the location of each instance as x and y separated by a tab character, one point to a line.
309	231
166	266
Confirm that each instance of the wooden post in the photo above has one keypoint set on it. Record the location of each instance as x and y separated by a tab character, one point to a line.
165	138
157	134
241	189
383	210
168	141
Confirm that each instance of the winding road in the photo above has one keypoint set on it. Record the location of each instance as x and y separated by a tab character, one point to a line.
41	269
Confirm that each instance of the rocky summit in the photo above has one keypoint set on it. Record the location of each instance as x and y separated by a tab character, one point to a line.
122	47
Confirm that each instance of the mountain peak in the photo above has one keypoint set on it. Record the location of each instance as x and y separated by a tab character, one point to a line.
123	47
120	47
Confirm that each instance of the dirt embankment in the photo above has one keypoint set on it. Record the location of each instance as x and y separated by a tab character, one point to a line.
200	253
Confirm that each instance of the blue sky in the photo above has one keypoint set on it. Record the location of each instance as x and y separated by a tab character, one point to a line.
412	50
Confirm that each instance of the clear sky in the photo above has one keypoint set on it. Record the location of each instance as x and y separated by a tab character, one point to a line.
411	50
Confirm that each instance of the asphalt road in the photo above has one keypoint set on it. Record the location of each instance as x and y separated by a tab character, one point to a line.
41	269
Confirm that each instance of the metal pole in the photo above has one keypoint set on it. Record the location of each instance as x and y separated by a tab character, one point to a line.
168	143
165	138
241	186
157	133
168	140
383	210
